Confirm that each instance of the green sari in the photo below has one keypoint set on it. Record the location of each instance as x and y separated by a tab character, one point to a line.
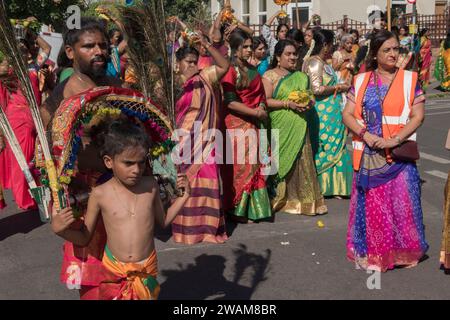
328	139
296	186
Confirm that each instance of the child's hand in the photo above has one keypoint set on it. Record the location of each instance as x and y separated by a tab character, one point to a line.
183	183
62	220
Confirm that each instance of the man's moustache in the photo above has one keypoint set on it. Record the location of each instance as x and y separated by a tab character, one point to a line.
98	59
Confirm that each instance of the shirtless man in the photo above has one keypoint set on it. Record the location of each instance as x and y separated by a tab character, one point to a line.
130	205
88	48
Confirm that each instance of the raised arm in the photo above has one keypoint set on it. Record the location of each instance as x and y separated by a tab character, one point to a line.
222	63
308	24
272	18
214	32
124	43
62	220
44	45
245	28
182	25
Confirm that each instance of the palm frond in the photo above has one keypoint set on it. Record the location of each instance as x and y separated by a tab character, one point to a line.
145	27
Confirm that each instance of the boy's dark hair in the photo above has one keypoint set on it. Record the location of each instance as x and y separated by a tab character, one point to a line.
72	36
120	135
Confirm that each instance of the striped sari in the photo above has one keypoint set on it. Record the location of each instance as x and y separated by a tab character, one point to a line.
202	217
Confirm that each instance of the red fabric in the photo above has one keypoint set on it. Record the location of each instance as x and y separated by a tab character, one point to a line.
19	115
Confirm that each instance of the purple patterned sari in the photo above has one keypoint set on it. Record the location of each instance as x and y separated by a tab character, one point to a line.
385	226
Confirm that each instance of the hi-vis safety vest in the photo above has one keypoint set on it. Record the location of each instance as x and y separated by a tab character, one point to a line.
396	108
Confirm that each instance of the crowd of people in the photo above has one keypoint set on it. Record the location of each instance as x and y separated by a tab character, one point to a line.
314	87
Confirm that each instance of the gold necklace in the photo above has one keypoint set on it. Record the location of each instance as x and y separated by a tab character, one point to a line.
132	213
284	72
83	81
78	76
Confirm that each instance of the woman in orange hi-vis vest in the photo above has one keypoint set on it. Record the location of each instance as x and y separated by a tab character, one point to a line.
385	107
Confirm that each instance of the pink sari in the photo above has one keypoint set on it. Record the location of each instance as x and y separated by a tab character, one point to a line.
19	115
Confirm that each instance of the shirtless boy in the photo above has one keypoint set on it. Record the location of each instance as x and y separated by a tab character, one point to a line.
130	205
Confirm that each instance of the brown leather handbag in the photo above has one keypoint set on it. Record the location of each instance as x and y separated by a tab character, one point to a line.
407	151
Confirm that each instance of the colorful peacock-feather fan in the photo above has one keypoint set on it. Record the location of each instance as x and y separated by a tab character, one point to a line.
145	27
10	48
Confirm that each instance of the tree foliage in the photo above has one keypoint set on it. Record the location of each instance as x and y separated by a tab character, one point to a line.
46	11
194	12
185	9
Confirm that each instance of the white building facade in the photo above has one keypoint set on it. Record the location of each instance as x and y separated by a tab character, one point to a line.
259	11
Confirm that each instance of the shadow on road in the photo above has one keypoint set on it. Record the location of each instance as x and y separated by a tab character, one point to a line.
165	234
22	222
205	278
